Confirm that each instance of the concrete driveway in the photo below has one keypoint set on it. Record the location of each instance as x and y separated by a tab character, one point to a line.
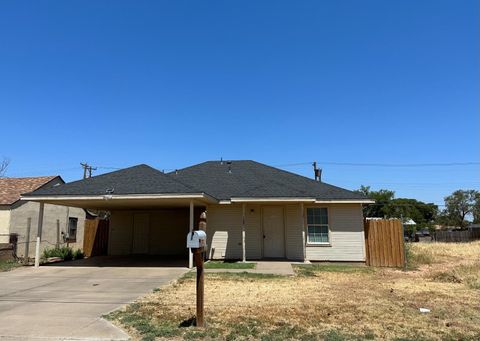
66	302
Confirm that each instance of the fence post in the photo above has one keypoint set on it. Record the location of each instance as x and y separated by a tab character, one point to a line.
58	234
404	248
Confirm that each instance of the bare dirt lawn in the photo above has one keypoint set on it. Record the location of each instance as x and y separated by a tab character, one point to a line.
325	302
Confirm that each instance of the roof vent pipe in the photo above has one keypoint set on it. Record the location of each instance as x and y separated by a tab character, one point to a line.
317	172
229	163
221	160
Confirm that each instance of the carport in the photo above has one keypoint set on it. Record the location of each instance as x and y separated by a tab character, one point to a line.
149	213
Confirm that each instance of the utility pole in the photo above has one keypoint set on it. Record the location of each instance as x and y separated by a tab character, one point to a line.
87	169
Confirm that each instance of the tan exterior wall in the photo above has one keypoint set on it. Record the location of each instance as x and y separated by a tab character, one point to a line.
168	229
224	232
4	224
347	240
167	232
21	211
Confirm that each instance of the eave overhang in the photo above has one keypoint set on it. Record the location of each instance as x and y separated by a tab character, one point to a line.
123	201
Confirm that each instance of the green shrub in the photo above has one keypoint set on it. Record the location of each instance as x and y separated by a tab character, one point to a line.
63	252
78	254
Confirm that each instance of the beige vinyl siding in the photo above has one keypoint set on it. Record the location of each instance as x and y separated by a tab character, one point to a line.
347	241
253	232
4	224
121	232
168	229
224	231
167	232
293	235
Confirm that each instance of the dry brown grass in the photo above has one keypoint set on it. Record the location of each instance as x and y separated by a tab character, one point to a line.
336	305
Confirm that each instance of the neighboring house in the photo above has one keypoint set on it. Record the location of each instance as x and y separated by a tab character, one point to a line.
15	215
254	211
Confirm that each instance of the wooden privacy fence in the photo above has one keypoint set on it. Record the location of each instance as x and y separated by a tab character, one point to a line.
384	243
457	236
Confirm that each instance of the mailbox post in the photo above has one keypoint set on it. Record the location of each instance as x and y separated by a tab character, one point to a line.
196	241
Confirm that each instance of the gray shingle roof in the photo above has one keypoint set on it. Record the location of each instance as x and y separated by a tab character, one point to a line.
221	180
256	180
141	179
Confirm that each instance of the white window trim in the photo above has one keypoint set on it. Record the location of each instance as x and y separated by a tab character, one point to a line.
308	242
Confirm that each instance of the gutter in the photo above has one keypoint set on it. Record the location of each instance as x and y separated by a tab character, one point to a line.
119	197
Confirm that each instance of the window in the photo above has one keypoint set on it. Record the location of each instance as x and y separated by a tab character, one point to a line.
317	225
72	229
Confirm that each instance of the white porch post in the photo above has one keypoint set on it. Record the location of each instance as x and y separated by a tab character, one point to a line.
244	256
39	235
302	215
190	254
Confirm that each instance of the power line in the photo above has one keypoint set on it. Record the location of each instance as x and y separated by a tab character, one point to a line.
109	167
376	164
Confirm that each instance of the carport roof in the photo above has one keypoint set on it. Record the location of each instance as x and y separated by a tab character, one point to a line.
140	179
224	181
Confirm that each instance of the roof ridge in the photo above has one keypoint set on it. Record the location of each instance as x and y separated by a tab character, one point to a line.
29	177
113	172
301	176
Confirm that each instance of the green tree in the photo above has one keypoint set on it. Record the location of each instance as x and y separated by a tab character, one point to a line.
458	205
424	214
476	209
382	198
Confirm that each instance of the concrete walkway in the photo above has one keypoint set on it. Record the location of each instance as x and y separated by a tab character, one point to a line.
67	302
264	267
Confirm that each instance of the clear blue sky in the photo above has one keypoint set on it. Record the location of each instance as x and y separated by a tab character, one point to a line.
173	83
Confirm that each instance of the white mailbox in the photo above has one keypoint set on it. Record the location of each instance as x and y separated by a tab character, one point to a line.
196	239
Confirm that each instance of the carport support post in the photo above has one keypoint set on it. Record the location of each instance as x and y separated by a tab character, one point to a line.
190	254
302	215
244	257
39	235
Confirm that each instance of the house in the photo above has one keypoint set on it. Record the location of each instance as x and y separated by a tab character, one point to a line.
60	223
254	211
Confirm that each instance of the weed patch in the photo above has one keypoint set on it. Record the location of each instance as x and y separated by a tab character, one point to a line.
308	270
228	265
418	256
7	265
469	274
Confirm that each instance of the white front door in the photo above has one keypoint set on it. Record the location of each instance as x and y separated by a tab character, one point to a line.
141	232
273	232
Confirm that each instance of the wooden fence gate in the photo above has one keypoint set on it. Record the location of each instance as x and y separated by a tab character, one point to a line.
384	243
95	242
